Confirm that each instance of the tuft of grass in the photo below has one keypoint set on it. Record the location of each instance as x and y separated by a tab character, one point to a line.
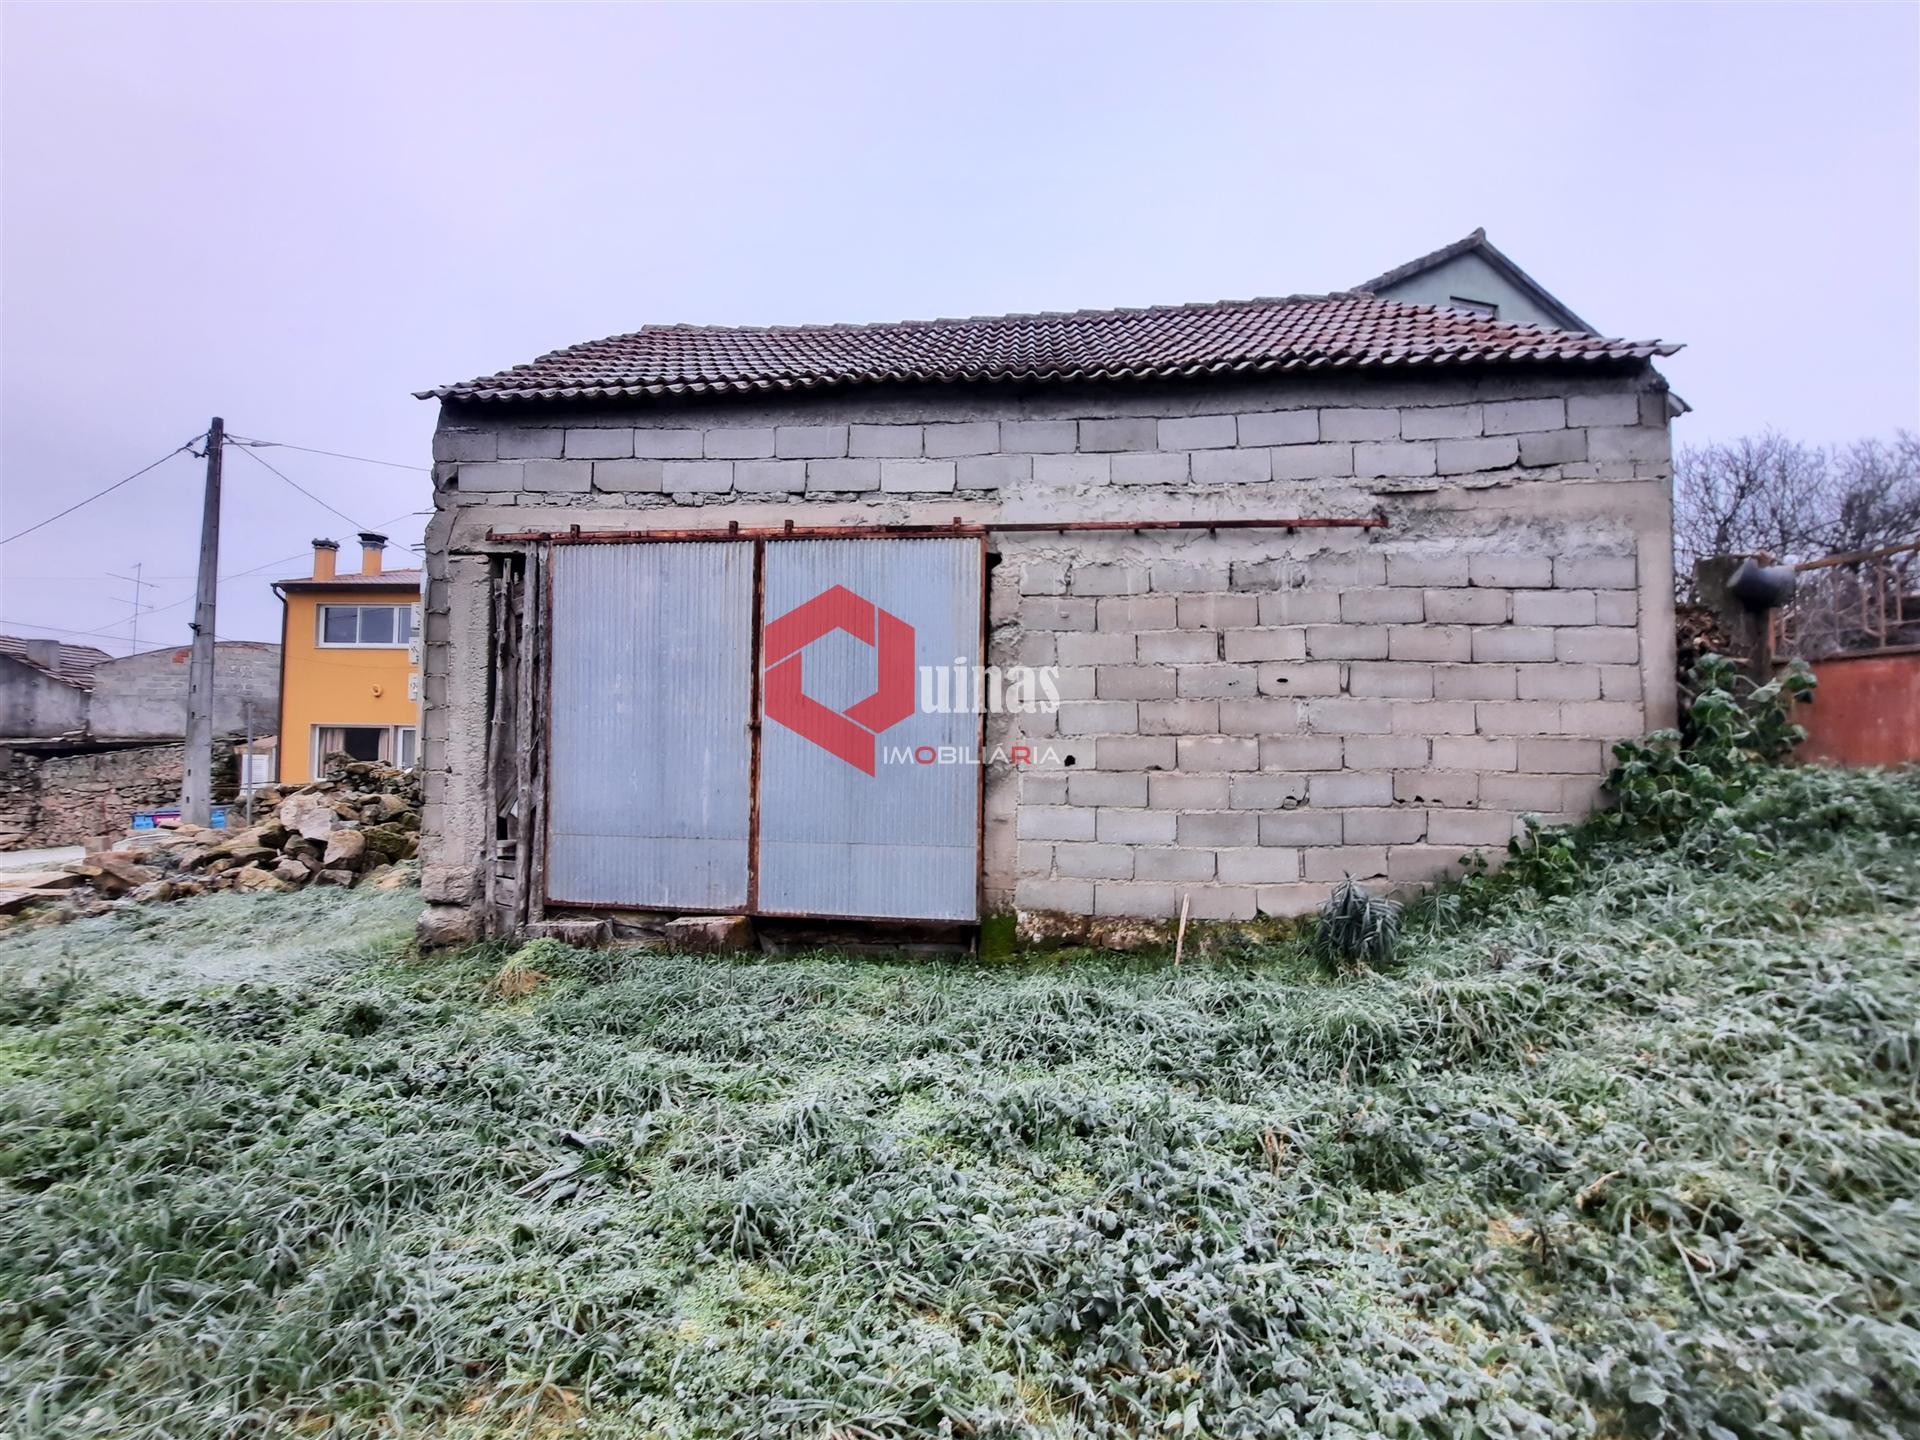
1635	1159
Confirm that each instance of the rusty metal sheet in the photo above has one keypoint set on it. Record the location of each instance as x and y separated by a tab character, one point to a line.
1866	710
869	803
650	726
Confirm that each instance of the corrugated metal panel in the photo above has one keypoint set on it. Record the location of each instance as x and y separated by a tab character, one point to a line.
901	842
650	707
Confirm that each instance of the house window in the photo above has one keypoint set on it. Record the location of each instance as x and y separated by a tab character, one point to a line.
1475	307
389	744
380	626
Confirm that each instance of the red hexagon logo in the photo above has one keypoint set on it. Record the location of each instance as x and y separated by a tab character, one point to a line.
847	734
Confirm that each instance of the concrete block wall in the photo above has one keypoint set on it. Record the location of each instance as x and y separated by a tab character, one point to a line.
1249	714
1246	720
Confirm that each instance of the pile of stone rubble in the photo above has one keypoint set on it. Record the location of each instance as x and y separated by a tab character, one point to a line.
359	826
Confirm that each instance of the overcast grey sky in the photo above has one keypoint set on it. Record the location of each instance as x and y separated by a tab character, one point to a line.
293	216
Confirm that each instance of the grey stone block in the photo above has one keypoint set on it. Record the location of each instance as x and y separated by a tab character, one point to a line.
1603	409
1384	606
761	477
1273	643
1553	607
810	442
1389	680
1600	645
1361	862
1217	680
1134	827
972	437
1553	447
900	477
1134	682
599	443
1213	754
1466	457
1135	752
465	445
1333	716
1138	613
1179	717
697	476
1512	643
1053	822
1595	572
1470	607
532	442
494	476
1318	677
1311	462
668	444
1125	434
1219	612
1405	458
1302	752
1356	424
1072	470
1094	862
1347	642
1614	443
1042	612
1039	437
1260	716
994	472
1300	828
1475	752
1422	569
1187	792
1268	792
1198	432
1178	576
1150	469
1137	901
1265	865
1542	756
1166	863
846	476
1440	422
1178	646
1096	788
1220	828
559	476
1401	825
1510	571
627	475
1231	467
740	444
1513	417
1280	427
884	442
1106	648
1067	897
1109	580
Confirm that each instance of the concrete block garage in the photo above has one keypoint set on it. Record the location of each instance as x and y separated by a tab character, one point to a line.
1076	615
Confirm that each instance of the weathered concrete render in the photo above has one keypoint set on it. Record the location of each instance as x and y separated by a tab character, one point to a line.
1251	714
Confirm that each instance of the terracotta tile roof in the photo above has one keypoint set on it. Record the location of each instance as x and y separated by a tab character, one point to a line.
385	580
73	666
1242	337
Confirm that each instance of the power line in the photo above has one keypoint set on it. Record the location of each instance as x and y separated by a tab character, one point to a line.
41	525
333	454
301	488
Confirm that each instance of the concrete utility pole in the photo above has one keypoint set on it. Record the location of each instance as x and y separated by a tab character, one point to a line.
196	791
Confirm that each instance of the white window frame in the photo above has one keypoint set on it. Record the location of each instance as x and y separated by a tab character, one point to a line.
392	746
320	626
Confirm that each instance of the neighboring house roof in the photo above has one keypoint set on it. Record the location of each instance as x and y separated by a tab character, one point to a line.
385	580
74	664
1241	337
1478	244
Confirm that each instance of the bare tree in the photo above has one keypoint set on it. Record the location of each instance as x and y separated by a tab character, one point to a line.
1768	494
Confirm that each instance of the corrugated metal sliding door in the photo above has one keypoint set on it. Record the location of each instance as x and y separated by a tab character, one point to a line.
869	803
649	725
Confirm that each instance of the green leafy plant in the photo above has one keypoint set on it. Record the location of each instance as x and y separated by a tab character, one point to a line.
1670	788
1357	930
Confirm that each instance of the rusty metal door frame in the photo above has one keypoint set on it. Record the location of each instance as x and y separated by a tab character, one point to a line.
544	548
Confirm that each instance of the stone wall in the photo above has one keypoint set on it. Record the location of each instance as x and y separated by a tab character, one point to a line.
144	696
72	799
1250	714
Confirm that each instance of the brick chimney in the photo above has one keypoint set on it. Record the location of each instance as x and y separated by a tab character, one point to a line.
371	547
326	554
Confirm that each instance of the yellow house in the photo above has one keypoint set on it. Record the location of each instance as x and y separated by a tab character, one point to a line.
349	662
